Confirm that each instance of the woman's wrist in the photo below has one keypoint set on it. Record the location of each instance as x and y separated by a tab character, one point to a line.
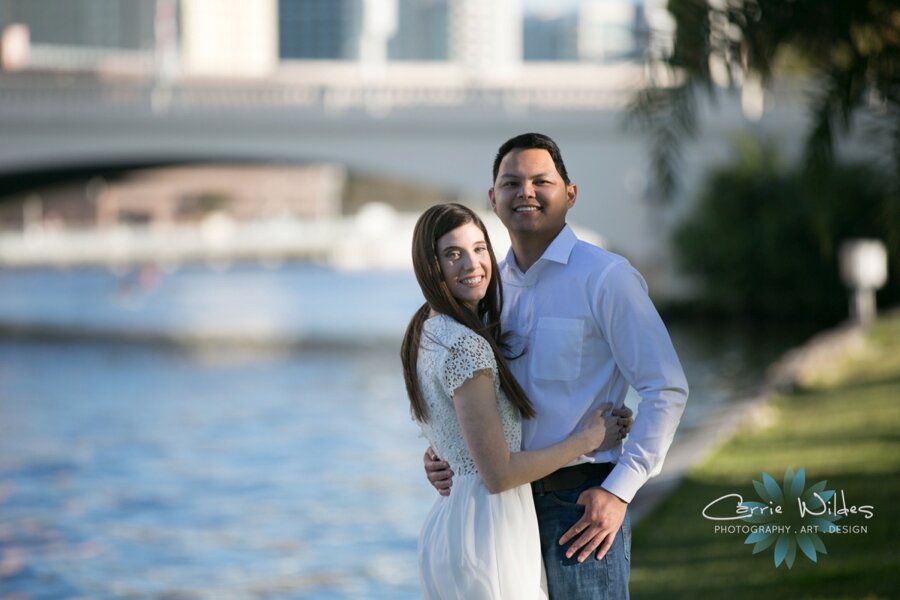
589	442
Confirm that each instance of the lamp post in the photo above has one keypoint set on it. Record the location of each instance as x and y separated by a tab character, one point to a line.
863	264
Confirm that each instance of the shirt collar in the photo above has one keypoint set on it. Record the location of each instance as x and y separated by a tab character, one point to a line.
558	251
561	247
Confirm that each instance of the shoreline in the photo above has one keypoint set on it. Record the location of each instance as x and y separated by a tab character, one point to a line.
198	340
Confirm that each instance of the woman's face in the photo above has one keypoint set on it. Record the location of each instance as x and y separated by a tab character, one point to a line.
465	263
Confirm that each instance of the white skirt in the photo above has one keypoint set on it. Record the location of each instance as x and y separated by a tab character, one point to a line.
478	546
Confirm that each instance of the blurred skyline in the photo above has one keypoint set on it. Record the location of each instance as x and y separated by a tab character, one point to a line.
156	82
250	39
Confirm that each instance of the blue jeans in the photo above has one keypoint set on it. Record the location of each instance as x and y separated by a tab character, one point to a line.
568	579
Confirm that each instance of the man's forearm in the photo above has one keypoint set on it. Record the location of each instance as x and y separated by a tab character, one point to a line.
645	449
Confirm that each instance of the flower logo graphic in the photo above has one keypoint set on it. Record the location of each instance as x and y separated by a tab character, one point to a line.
800	528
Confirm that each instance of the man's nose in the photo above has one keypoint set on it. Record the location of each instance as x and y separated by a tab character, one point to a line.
526	189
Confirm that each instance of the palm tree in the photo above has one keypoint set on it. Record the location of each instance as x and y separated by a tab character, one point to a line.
851	49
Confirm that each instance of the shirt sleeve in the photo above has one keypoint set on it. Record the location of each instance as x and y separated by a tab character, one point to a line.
469	354
643	352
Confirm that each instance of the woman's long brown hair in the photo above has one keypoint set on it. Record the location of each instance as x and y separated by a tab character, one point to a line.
431	226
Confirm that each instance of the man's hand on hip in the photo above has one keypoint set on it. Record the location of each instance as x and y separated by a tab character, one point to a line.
598	526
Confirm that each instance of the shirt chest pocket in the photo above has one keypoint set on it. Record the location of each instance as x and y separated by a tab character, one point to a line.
556	351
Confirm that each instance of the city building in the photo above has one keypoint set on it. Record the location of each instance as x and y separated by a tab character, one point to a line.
609	30
228	37
587	31
550	36
239	38
422	31
319	29
485	37
85	23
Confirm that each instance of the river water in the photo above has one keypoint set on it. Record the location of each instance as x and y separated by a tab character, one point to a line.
239	433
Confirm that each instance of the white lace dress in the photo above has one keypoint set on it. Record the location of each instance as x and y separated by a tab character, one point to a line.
474	544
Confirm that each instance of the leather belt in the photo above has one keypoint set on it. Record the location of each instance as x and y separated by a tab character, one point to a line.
572	477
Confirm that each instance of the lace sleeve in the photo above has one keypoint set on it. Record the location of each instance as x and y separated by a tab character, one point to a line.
469	354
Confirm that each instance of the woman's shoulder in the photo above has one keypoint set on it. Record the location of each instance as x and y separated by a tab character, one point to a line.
454	335
464	352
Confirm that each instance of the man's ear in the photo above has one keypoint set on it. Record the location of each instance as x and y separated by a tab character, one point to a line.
572	194
491	198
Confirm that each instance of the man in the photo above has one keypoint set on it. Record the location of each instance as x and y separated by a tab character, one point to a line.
585	329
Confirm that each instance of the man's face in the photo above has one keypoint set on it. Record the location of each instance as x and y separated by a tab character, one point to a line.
530	196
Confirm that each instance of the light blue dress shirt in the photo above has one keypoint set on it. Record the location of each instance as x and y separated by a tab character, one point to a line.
586	329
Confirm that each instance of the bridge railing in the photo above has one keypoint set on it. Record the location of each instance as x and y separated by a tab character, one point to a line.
84	91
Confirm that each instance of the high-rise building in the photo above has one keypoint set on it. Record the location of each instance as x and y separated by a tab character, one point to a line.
319	29
608	30
229	37
588	30
87	23
422	31
482	36
379	24
550	36
485	37
356	30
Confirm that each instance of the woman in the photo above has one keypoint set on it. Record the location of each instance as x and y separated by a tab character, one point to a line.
482	540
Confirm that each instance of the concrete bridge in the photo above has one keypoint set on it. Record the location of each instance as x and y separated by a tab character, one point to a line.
424	123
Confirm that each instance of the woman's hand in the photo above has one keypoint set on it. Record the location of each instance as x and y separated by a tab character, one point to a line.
600	427
605	428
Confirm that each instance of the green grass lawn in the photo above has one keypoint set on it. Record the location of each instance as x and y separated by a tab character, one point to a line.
846	432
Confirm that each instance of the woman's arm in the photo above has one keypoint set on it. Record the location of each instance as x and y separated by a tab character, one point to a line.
500	469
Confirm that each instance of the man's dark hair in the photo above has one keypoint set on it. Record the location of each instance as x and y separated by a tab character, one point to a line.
532	141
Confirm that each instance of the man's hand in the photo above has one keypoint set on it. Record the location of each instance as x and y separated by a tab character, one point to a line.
438	472
598	526
626	420
621	420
